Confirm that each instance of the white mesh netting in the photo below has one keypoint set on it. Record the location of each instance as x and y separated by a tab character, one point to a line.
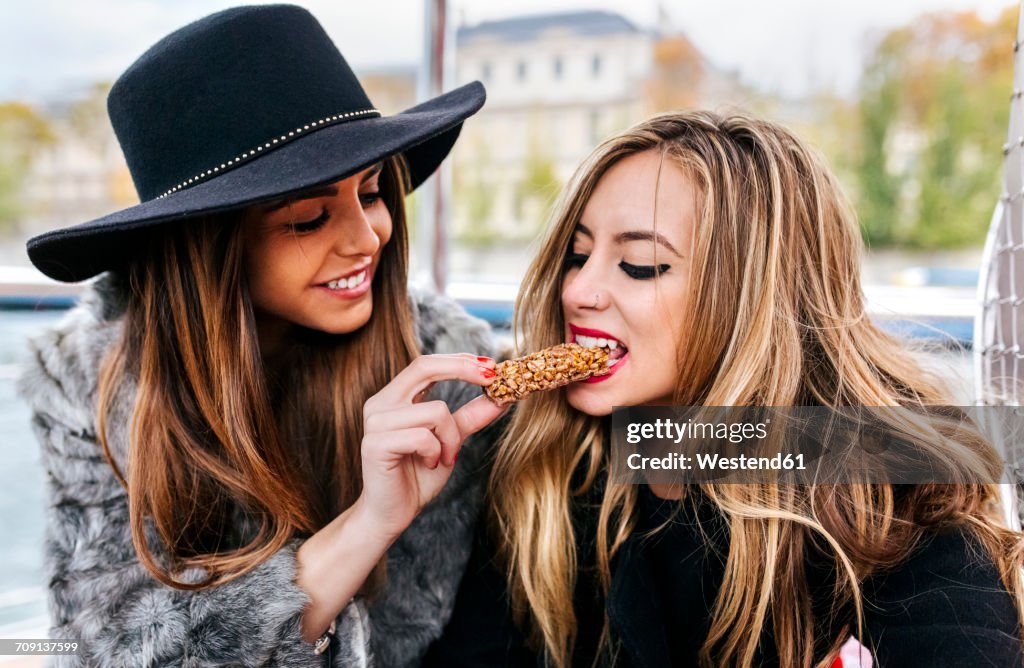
999	327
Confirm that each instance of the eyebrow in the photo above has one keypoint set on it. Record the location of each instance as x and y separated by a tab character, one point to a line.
319	191
633	235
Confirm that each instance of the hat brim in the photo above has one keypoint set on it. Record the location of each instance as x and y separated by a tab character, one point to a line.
424	134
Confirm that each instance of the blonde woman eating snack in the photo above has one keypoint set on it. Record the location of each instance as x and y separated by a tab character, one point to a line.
716	259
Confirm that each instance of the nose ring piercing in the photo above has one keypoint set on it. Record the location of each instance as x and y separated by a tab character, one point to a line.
597	298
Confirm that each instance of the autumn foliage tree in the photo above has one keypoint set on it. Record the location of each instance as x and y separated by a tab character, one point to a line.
677	74
23	132
931	120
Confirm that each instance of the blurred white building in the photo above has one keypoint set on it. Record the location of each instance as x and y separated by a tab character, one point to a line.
556	85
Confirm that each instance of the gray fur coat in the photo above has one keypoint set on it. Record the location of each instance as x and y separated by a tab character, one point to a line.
101	596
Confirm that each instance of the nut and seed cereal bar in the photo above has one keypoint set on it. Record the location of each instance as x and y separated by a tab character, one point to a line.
545	370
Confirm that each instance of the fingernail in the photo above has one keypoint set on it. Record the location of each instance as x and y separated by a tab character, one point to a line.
455	458
484	359
487	373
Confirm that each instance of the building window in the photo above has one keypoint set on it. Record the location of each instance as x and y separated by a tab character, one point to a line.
521	70
558	67
485	71
595	66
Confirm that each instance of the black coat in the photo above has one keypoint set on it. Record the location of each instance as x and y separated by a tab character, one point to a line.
944	606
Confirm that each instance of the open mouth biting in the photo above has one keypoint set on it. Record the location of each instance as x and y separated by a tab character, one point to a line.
616	350
595	338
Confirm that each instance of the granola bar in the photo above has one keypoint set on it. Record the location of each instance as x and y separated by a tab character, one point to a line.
545	370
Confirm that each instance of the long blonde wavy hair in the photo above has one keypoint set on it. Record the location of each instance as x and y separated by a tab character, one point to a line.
769	211
213	434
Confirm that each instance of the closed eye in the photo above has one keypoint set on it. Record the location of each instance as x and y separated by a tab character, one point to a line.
310	225
575	260
641	272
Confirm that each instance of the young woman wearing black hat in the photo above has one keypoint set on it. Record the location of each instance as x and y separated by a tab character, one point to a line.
238	421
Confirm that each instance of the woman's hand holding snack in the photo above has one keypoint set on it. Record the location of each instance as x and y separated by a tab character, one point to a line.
410	446
408	453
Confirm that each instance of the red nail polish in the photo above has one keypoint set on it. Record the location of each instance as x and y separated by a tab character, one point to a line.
484	359
487	373
455	458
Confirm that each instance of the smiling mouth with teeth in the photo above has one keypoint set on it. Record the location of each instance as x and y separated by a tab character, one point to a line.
347	283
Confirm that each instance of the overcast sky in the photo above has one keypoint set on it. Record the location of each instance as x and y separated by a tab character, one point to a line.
52	46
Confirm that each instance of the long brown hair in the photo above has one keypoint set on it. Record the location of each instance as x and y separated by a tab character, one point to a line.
212	434
768	211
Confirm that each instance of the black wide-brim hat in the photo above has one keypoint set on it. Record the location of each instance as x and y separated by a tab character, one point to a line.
243	106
